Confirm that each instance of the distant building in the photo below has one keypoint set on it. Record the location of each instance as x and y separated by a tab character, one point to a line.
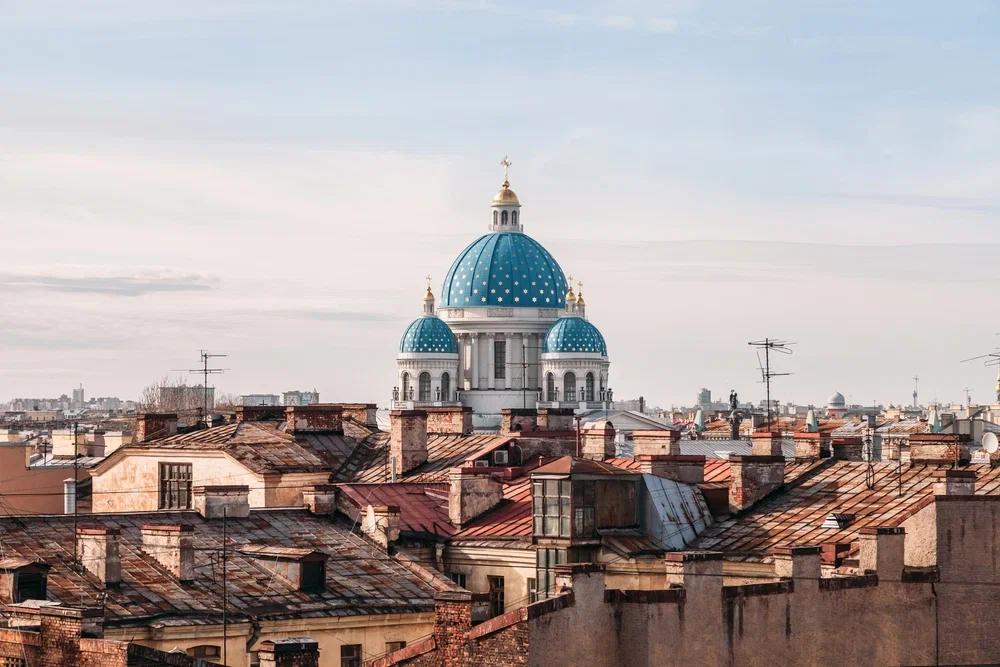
78	398
184	397
259	399
300	397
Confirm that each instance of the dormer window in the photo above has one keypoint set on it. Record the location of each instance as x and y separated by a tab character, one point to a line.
22	579
302	567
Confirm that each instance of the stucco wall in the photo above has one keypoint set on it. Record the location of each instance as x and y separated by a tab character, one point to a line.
31	490
516	566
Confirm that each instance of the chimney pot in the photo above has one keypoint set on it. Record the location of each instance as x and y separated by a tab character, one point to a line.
214	502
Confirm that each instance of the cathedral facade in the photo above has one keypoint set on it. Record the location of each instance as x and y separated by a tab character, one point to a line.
509	331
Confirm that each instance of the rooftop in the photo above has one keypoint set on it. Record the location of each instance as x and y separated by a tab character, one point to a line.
370	461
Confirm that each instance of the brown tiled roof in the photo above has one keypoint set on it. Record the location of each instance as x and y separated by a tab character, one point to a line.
262	447
795	516
423	507
718	470
360	579
369	463
510	519
570	465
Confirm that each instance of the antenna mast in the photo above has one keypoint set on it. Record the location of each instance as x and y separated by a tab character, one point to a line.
769	345
916	384
205	371
989	359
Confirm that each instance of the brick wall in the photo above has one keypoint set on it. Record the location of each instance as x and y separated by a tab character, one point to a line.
753	477
451	420
514	420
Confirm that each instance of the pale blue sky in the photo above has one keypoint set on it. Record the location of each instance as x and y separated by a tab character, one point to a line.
274	179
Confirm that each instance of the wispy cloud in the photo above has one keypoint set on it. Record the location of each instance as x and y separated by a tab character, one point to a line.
86	281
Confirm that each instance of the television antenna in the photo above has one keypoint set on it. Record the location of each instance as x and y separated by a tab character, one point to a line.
988	359
769	345
205	371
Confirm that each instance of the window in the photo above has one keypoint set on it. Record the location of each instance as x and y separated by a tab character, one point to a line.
532	590
545	561
445	387
350	655
513	217
590	387
496	595
569	387
503	218
495	214
175	486
394	646
551	507
425	387
458	578
205	651
29	586
500	359
407	391
584	501
550	386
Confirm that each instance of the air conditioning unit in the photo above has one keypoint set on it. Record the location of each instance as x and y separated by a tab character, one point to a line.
481	463
500	457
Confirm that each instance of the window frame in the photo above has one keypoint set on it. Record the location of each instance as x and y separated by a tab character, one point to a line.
175	487
354	660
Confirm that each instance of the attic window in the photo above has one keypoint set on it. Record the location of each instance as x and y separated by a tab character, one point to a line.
838	520
302	567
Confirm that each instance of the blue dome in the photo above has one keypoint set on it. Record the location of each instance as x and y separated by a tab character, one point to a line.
506	269
428	334
574	334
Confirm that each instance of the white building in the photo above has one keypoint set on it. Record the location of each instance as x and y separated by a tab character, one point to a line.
509	331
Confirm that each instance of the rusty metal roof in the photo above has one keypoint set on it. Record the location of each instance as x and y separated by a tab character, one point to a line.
510	519
795	516
571	465
423	507
370	461
360	578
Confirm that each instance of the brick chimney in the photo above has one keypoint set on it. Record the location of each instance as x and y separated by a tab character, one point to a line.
381	524
171	545
689	469
848	448
881	550
321	498
152	425
518	420
556	419
97	551
766	443
318	417
955	483
812	445
659	442
257	413
407	440
449	420
471	494
938	448
598	441
212	502
752	478
362	413
289	652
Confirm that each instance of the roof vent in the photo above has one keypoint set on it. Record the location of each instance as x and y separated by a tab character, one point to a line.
838	520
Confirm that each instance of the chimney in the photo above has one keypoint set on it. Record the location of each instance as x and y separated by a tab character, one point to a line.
801	564
881	550
470	494
212	502
152	425
555	419
449	420
689	469
939	448
847	448
97	551
407	440
289	652
318	417
955	483
381	524
766	443
321	498
258	413
362	413
171	545
752	478
62	442
699	572
812	445
659	442
518	420
598	441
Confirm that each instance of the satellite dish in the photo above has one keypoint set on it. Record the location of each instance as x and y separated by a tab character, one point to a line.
990	442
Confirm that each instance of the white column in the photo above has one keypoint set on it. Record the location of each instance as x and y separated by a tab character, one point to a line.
508	349
474	362
490	361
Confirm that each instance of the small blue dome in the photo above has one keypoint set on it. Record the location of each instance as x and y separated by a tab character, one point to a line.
574	334
428	334
505	269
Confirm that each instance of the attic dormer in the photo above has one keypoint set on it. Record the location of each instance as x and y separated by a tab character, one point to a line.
302	567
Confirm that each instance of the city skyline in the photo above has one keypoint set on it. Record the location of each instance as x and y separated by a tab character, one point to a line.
276	188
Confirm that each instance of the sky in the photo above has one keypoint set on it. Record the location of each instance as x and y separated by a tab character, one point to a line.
273	180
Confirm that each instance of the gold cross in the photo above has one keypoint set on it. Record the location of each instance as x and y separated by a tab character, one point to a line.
428	277
505	163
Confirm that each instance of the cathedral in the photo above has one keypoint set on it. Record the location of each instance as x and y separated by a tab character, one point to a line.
508	332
